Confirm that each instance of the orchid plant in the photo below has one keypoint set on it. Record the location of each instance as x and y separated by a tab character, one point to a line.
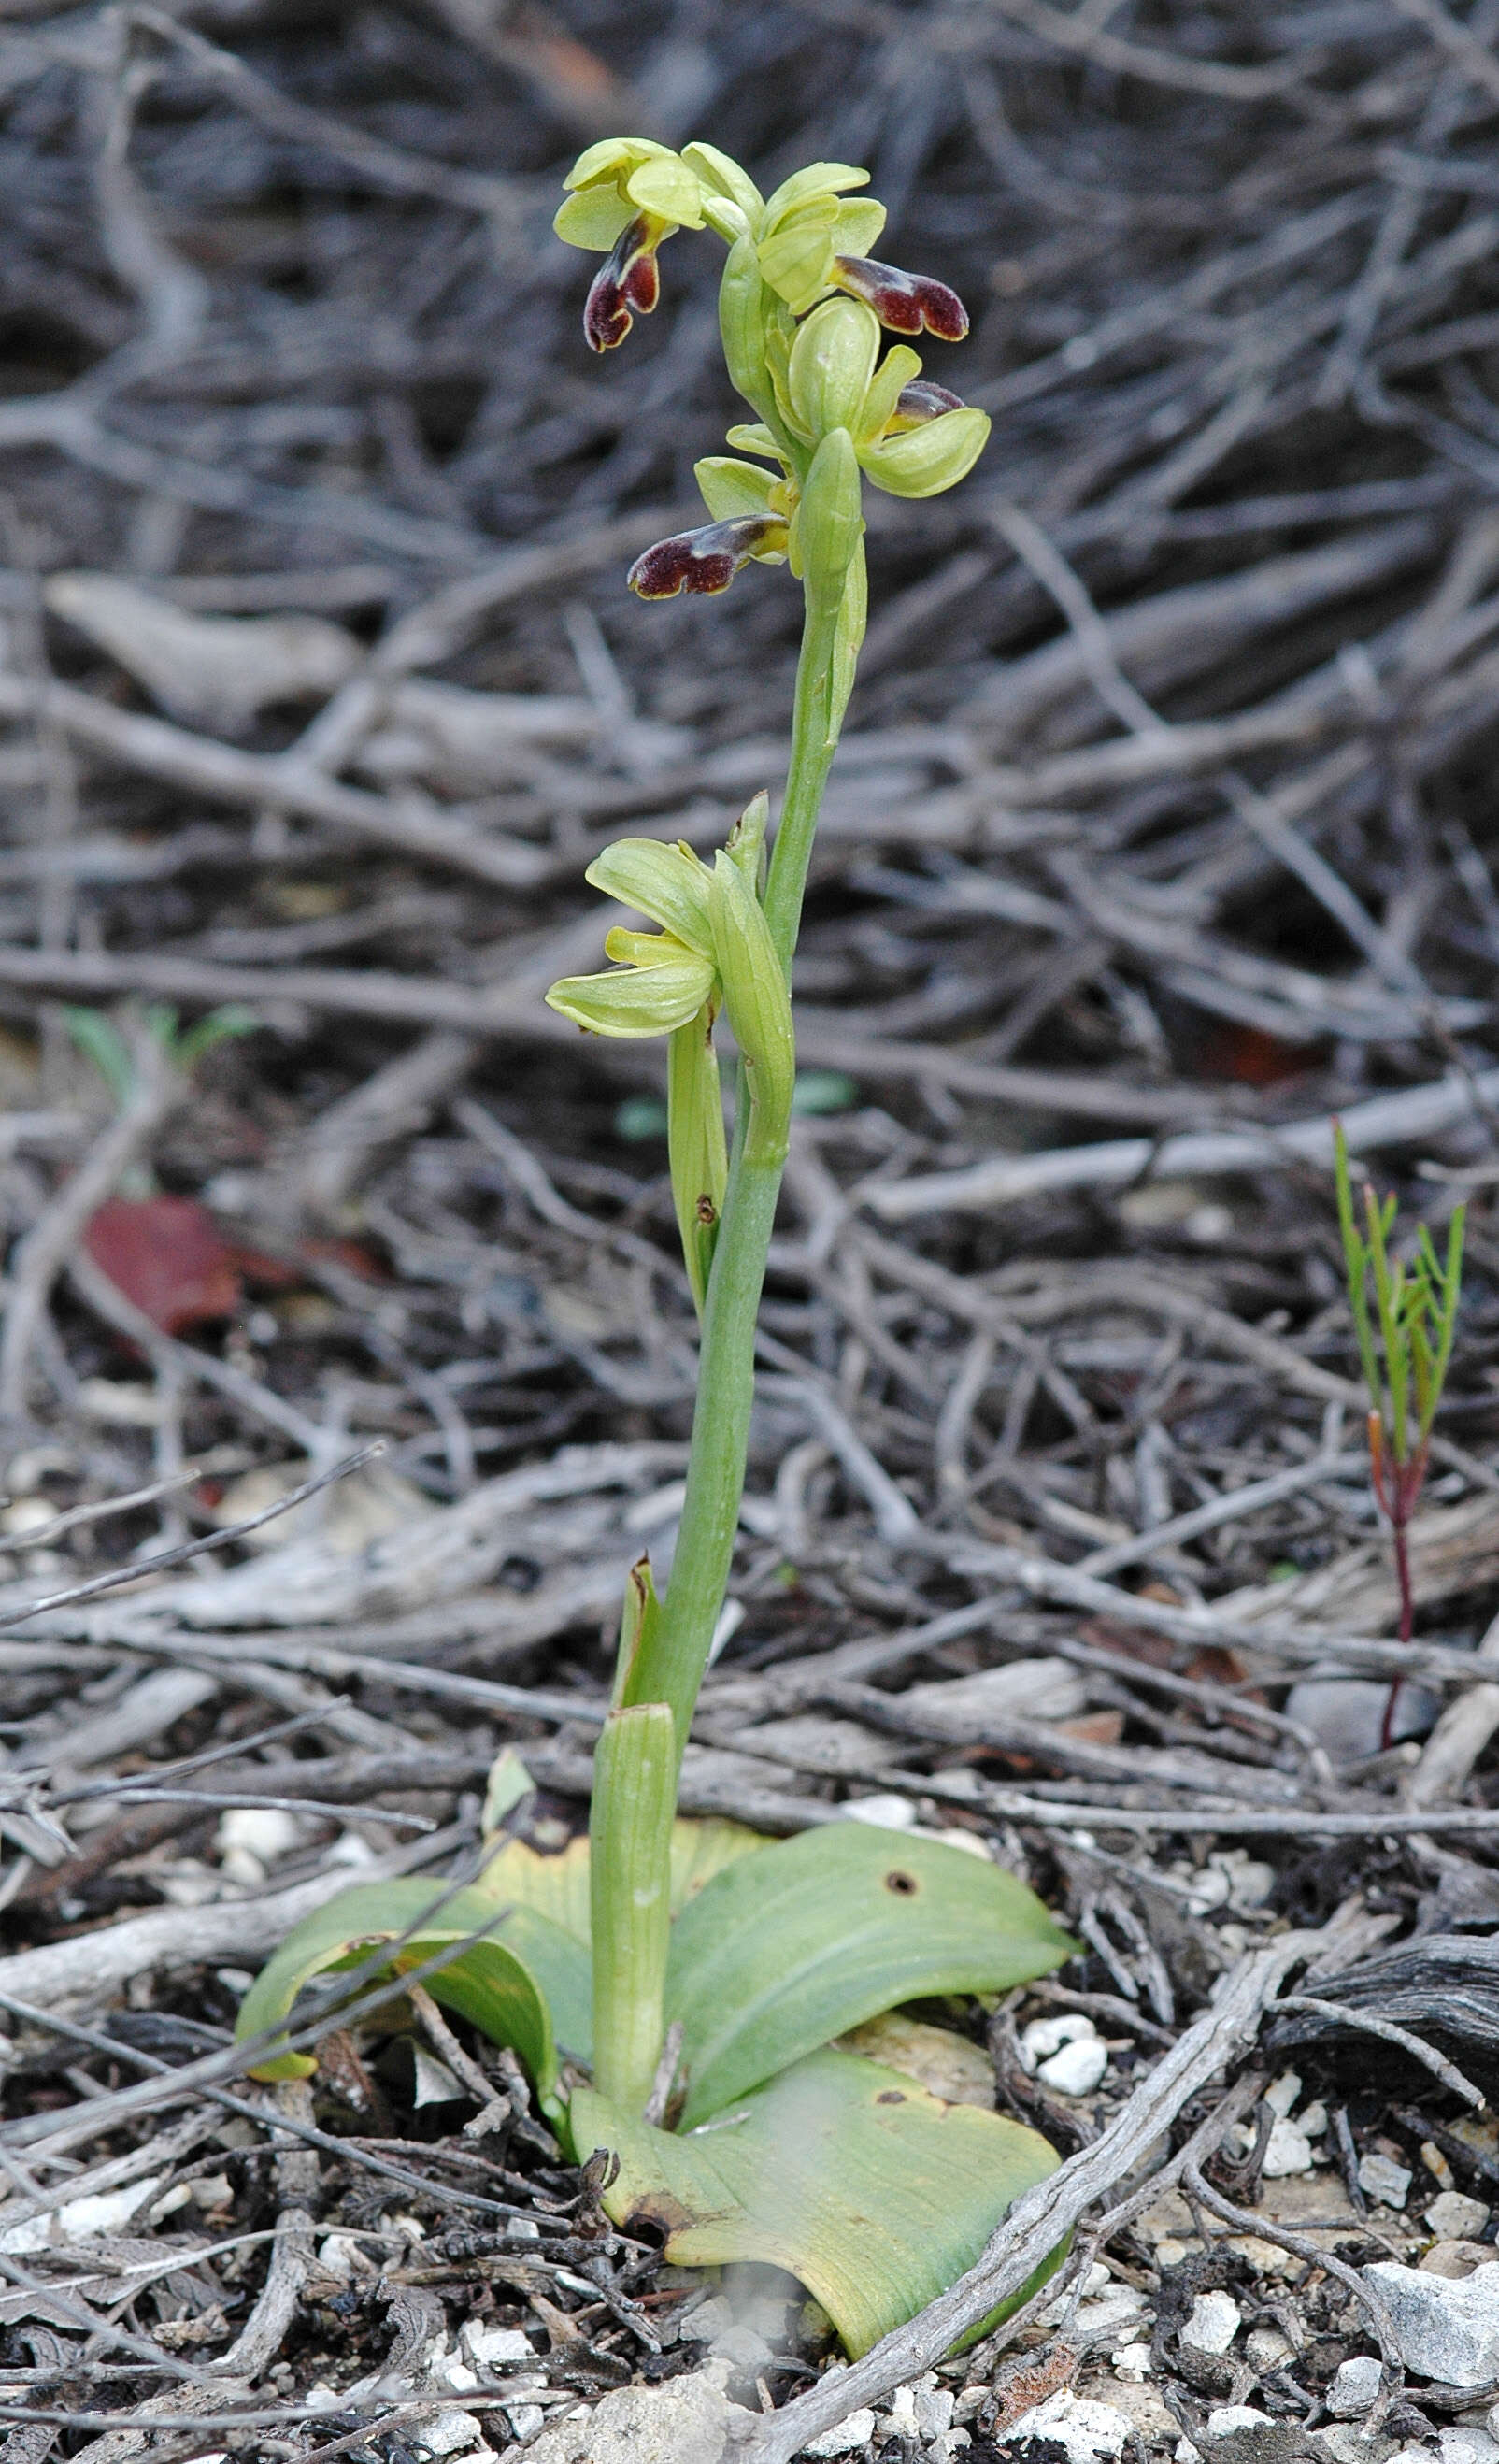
702	1973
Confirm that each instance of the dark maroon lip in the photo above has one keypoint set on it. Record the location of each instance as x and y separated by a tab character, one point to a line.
627	285
905	303
701	562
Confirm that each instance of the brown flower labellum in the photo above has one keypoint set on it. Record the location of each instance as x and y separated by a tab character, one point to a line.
905	303
918	401
627	285
706	560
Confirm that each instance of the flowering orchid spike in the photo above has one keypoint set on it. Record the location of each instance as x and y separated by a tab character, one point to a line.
905	303
708	559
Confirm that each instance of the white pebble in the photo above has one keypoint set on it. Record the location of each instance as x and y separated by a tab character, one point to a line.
496	2348
1085	2428
1354	2386
1380	2178
1077	2069
1214	2324
1452	2217
1286	2150
844	2439
448	2431
1046	2037
524	2419
1132	2363
1281	2095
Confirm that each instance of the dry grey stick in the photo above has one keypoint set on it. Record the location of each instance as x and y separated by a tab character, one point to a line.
1037	2222
297	2178
53	1239
1414	1113
1460	1735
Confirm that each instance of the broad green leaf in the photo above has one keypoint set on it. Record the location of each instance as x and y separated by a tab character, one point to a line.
557	1886
876	2194
525	1984
783	1951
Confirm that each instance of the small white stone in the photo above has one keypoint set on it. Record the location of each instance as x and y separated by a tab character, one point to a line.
1354	2386
934	2406
1266	2348
1170	2252
887	1813
339	2254
903	2412
496	2348
846	2438
257	1833
1086	2430
1046	2037
1225	2418
1312	2120
524	2419
1281	2095
1464	2443
449	2431
1077	2069
1132	2363
1452	2217
1215	2321
1380	2178
1288	2150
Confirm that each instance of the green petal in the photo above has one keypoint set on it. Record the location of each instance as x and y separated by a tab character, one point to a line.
722	174
636	1000
594	218
859	224
757	438
663	879
600	161
896	371
818	179
926	460
730	488
795	262
667	188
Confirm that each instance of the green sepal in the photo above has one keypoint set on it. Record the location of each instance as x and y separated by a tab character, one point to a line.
926	460
859	224
757	438
875	2193
817	179
593	219
731	488
833	362
635	1001
721	173
847	637
823	1932
796	256
741	322
663	880
634	1795
695	1146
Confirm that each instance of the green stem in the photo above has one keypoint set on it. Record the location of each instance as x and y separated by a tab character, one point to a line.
629	1882
671	1664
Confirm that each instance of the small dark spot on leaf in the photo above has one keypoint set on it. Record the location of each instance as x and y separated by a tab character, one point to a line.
904	1885
891	2096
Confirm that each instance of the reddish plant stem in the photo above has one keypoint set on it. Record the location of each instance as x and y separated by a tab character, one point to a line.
1398	1498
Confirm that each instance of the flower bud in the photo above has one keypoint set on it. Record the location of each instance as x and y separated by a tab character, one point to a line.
830	520
929	459
741	322
907	303
833	361
745	844
754	996
707	561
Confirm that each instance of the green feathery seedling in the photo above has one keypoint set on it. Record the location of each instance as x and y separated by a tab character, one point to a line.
1405	1346
702	1973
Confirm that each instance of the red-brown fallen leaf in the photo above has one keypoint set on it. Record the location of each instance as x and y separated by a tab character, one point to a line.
168	1256
1250	1057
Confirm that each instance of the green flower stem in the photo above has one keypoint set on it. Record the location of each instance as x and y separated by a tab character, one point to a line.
672	1661
814	740
630	1879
